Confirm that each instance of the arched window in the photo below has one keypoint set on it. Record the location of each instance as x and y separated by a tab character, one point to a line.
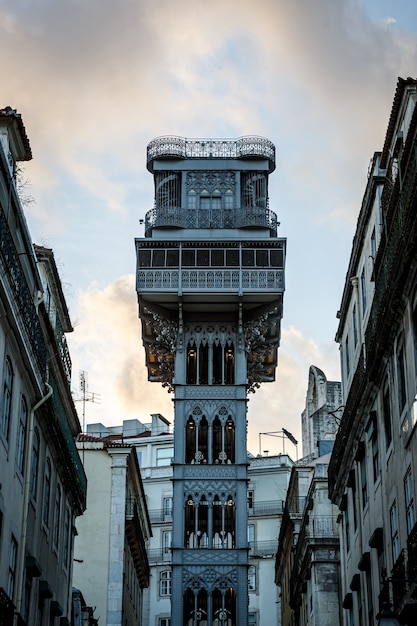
223	439
229	441
190	441
191	364
217	364
6	402
229	365
190	522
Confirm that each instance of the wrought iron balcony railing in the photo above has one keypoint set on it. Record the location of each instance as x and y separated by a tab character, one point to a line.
177	217
181	148
272	507
19	289
66	442
263	548
210	279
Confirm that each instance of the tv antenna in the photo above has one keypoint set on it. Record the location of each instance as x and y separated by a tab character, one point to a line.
86	396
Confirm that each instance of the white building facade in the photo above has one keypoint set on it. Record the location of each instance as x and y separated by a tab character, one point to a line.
43	484
268	478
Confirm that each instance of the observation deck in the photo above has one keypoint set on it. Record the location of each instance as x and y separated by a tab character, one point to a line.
248	147
178	217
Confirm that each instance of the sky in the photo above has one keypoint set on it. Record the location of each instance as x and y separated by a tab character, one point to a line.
96	80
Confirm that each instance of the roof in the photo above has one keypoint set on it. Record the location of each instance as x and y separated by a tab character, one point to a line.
19	139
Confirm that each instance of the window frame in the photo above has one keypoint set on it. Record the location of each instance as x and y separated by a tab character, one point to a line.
165	583
21	435
7	400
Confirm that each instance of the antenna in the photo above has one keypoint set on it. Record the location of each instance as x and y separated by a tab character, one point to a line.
86	396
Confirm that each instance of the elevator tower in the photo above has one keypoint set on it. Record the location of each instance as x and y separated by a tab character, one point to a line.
210	284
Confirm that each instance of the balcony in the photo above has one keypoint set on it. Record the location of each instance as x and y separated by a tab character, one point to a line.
263	548
173	147
59	428
177	217
238	281
136	542
24	301
272	507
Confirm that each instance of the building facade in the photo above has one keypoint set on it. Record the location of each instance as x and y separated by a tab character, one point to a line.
210	282
373	466
111	563
268	478
43	484
307	561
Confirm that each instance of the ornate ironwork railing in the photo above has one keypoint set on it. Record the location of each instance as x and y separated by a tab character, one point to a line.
6	609
180	147
21	293
61	420
263	548
159	555
63	349
178	217
206	280
322	527
412	555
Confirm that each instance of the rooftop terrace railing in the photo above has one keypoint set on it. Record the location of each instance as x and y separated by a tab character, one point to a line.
182	148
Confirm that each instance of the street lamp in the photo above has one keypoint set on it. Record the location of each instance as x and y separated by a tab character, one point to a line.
387	617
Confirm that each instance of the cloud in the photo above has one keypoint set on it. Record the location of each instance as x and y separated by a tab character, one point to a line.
107	344
279	405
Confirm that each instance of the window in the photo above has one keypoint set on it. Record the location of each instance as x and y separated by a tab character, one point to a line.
6	407
354	504
165	583
252	619
164	621
355	326
250	499
21	435
376	468
347	530
395	539
57	515
409	500
12	567
373	245
166	542
363	291
164	456
47	493
67	536
167	508
34	472
251	535
347	356
364	483
252	578
386	408
401	379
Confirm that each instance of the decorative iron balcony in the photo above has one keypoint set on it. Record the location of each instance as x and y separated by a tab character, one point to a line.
178	217
263	548
182	148
21	293
207	280
159	555
271	507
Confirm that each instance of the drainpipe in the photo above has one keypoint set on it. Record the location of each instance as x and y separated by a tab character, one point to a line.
26	488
